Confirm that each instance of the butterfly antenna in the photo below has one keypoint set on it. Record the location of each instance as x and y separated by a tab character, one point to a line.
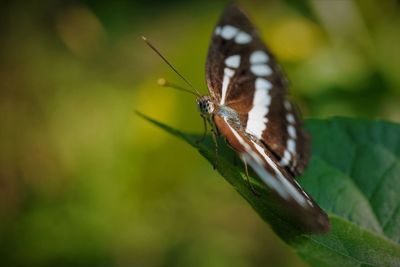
163	82
196	92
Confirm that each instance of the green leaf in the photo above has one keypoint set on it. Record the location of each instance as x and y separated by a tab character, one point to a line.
354	175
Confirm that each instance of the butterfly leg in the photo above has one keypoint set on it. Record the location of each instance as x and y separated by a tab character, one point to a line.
248	179
205	130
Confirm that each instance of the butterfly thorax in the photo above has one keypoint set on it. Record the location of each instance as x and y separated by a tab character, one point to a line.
230	115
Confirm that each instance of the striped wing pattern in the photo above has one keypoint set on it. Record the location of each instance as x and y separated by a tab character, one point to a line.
243	75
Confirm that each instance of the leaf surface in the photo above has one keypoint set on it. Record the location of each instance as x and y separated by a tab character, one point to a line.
354	175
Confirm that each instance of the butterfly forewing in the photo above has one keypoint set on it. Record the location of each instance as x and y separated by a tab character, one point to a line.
243	75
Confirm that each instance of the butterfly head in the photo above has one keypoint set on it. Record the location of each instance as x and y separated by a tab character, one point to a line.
205	105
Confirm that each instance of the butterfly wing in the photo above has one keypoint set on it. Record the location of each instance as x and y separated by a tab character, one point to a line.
304	214
242	74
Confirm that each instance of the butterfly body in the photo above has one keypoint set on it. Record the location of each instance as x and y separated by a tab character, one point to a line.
210	108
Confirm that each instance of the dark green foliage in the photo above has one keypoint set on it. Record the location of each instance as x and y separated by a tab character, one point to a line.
354	175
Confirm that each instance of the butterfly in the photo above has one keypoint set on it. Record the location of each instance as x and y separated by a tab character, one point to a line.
248	105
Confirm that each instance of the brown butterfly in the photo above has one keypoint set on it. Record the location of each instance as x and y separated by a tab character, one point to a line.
248	105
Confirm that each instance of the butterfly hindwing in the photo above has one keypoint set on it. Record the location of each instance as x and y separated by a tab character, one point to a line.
305	214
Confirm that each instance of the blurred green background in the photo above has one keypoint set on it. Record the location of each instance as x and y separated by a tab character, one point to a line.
85	182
